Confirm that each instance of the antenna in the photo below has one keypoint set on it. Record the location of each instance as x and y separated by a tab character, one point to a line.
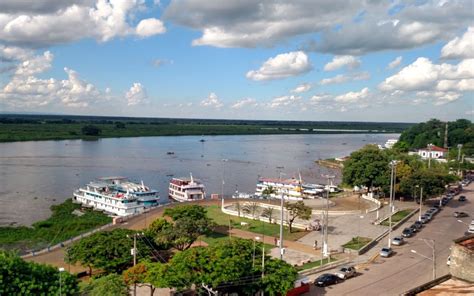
192	180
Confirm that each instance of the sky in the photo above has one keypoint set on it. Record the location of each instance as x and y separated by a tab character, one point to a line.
318	60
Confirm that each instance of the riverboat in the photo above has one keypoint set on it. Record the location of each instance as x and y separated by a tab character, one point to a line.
291	189
116	196
186	189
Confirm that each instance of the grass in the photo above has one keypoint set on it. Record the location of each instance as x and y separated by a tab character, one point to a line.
62	225
313	264
213	238
357	242
259	227
397	217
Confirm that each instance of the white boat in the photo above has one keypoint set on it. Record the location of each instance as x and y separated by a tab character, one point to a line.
186	189
293	189
117	196
390	142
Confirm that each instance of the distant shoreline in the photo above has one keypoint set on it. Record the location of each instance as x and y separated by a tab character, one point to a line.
39	128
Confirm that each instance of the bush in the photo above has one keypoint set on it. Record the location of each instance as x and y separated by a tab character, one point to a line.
91	130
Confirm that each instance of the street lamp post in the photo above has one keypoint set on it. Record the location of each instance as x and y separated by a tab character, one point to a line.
430	146
433	258
60	269
393	165
421	201
326	236
281	221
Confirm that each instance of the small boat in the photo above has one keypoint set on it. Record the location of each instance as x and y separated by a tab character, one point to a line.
170	153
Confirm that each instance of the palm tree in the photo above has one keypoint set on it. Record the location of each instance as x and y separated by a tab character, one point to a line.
269	191
268	213
251	208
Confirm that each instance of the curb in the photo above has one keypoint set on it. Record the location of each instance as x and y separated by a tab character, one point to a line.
324	267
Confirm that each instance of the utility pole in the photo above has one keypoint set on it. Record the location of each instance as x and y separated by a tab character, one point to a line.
393	164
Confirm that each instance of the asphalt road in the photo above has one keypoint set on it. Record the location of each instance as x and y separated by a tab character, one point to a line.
405	270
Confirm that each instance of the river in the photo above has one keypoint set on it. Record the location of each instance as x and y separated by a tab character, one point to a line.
35	175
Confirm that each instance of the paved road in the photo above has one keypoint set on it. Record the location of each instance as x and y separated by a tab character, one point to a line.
406	270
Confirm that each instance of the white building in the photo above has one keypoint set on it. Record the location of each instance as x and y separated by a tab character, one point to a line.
436	152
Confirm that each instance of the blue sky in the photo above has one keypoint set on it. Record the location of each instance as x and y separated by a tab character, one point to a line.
300	60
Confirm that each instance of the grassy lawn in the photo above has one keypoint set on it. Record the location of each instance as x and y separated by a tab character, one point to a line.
216	237
397	217
263	228
314	264
62	225
357	242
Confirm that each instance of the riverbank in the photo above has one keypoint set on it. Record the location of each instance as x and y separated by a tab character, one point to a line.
34	128
67	220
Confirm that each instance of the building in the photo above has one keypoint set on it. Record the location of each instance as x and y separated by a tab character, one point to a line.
435	151
462	258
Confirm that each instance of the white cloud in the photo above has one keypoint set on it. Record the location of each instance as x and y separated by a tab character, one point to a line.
25	91
282	66
284	101
251	23
244	103
212	101
342	78
150	27
161	62
353	97
65	22
460	47
136	94
395	63
416	24
342	61
443	83
301	88
35	65
13	53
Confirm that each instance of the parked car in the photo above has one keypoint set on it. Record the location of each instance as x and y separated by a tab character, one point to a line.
472	222
407	232
444	201
413	228
386	252
424	219
460	214
398	241
417	225
433	210
326	280
462	198
346	272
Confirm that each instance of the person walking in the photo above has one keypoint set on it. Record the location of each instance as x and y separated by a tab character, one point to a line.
315	245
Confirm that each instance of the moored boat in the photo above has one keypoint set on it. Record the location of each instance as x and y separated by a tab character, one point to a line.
186	189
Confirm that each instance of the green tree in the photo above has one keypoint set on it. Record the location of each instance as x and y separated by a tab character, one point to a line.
366	167
108	285
19	277
107	250
91	130
276	271
184	232
297	210
268	191
138	275
251	208
268	213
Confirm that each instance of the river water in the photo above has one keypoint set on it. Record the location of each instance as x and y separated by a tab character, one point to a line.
35	175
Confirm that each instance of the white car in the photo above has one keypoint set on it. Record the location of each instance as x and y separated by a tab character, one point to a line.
397	241
346	272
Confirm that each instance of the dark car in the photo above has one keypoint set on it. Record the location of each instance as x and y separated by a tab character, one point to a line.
413	228
326	280
407	232
460	214
418	224
444	201
462	198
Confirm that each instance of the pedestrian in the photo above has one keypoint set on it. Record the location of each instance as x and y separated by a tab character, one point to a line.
315	244
276	241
